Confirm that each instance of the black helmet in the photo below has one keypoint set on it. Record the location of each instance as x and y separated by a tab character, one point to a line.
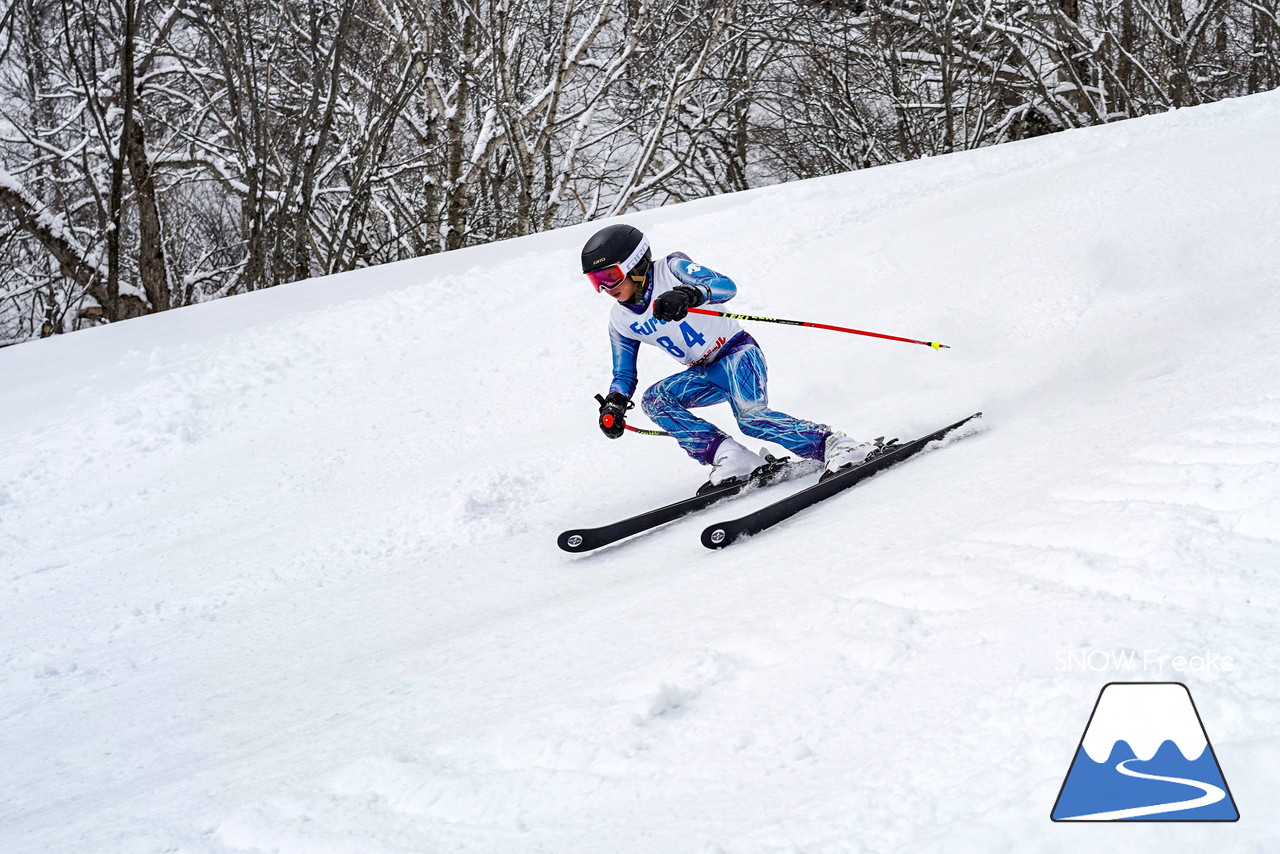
624	245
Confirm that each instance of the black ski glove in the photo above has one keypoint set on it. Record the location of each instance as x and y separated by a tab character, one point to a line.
675	303
613	413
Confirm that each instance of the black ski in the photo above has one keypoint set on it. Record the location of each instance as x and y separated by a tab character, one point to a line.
726	533
776	471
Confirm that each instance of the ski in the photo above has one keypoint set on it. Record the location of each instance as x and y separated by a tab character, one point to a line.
726	533
775	471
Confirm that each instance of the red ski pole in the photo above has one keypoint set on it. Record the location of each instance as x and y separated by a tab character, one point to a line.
937	345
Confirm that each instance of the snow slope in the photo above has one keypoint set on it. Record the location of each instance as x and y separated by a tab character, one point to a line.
278	573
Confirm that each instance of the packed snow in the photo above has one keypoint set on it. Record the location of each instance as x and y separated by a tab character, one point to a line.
278	573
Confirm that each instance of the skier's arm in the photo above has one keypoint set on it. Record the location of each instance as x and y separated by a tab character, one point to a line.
698	286
625	351
614	406
711	287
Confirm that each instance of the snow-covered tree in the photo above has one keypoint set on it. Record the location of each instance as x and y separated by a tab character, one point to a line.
156	153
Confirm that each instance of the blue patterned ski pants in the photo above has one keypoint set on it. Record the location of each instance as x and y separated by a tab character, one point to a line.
738	377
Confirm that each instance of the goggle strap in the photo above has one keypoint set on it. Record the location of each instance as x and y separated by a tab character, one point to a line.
636	254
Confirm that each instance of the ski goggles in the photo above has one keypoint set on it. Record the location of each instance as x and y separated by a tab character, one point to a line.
609	277
615	274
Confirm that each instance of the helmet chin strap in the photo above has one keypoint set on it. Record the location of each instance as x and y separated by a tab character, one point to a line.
644	284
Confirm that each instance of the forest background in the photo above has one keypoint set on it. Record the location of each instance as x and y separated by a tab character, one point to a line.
159	154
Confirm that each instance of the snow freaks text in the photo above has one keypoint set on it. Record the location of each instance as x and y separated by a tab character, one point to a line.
1146	661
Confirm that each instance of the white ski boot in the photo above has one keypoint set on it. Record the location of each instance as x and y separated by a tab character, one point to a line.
733	462
842	451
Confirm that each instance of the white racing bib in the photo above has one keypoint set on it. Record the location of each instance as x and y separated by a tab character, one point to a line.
692	341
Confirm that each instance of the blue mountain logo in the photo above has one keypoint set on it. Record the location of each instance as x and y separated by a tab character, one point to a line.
1145	756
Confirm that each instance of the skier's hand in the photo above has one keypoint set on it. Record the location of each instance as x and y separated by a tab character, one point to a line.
613	413
675	303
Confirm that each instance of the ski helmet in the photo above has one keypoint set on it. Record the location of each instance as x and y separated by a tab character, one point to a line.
613	252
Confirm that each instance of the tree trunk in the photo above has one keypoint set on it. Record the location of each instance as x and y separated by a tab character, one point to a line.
151	265
455	134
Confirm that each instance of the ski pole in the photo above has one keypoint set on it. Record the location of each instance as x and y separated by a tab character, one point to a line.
646	432
937	345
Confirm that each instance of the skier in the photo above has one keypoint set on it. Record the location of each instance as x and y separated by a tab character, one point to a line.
723	362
